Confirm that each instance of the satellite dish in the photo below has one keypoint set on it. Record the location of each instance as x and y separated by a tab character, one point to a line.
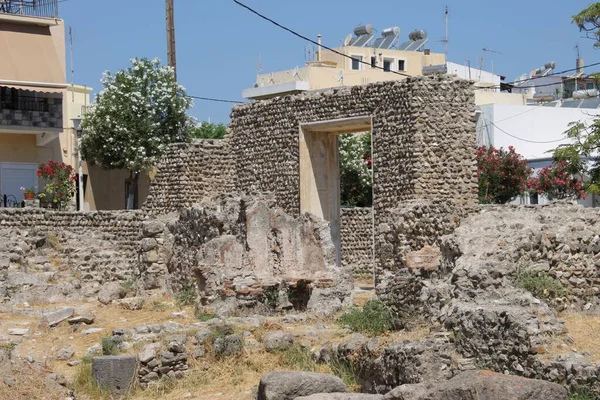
347	40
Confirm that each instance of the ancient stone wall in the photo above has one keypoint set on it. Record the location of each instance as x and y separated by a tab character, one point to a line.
423	141
357	240
54	255
189	172
242	252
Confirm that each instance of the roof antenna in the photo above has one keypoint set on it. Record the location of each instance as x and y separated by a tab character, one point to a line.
446	39
72	68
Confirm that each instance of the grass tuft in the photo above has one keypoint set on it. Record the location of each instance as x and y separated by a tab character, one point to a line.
582	394
374	319
110	346
85	384
346	371
186	297
539	283
298	358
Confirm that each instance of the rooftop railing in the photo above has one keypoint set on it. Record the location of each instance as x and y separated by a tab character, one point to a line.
30	8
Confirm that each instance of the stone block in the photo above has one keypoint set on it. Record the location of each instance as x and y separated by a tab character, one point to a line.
114	373
55	317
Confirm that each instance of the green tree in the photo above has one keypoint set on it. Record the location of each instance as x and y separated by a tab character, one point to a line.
356	181
206	130
581	153
139	112
588	21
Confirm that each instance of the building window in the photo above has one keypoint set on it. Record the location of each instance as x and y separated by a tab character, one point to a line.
373	61
533	198
387	65
356	61
401	65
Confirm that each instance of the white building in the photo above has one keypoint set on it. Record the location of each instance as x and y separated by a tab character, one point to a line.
535	130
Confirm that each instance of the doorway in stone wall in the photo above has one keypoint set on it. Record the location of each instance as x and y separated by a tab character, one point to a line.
320	170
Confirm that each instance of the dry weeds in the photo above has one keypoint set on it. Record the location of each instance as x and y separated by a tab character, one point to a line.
581	336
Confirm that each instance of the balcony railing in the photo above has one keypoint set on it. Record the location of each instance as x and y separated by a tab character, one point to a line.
26	103
27	111
30	8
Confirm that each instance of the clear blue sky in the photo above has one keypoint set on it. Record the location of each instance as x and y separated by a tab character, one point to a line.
218	42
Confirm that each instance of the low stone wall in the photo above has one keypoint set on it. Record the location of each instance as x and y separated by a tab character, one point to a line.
189	172
357	240
122	226
56	256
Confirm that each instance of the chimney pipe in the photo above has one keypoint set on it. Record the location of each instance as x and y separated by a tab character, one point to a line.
579	65
319	36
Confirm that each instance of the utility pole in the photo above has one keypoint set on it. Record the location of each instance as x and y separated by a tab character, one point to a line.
171	58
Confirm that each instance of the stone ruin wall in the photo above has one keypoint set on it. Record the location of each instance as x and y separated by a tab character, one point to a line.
66	255
423	140
190	172
357	241
423	125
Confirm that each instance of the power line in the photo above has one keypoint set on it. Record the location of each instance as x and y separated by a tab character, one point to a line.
526	140
216	100
312	41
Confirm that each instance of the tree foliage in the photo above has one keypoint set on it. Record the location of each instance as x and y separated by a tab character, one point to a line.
206	130
356	180
502	174
140	111
557	182
588	21
580	156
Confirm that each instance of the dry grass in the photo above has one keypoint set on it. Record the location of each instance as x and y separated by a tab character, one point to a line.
106	317
231	379
582	330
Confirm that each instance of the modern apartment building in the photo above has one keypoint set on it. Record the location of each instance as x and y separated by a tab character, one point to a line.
36	102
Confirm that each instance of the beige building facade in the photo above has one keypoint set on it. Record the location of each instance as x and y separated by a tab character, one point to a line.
33	89
37	106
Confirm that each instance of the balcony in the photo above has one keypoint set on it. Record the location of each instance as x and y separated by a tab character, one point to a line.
31	111
30	8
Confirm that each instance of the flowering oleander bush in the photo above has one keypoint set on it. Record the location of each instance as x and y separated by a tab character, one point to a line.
138	113
556	182
356	178
502	174
60	182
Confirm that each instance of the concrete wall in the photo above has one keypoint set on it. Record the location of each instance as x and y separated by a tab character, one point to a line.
322	76
531	123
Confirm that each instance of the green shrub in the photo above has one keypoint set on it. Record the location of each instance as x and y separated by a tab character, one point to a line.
539	283
374	318
110	346
204	316
128	285
186	297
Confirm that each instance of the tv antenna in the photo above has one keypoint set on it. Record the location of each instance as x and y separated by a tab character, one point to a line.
481	59
446	39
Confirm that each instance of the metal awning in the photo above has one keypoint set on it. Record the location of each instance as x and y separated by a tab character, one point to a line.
30	53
